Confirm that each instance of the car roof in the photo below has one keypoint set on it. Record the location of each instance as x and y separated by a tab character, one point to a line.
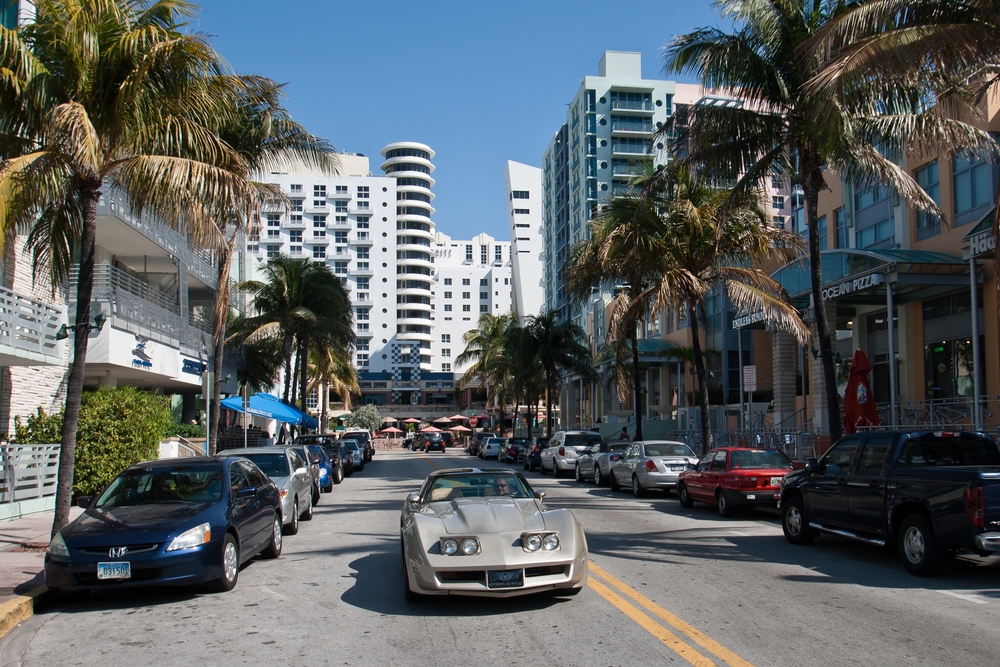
677	442
185	460
242	451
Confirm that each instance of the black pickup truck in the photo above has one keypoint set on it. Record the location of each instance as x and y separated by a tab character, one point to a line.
929	493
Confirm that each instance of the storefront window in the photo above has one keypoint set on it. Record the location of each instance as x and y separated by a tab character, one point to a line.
948	368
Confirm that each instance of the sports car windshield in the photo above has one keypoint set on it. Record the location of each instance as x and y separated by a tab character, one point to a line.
744	459
151	486
479	485
670	450
272	465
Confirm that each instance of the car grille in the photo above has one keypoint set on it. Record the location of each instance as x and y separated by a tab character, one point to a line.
132	549
544	571
462	575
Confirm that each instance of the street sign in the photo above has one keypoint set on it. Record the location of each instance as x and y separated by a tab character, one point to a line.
749	378
473	421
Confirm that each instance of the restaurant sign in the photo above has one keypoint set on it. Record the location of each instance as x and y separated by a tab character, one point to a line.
852	285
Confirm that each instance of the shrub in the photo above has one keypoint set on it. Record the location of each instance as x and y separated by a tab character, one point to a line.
367	416
185	430
118	426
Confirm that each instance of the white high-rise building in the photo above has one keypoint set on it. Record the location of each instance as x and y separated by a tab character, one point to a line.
527	250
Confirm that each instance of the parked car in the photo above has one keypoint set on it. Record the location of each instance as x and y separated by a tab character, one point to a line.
651	464
328	442
503	541
478	440
417	443
490	448
364	438
174	522
357	452
596	463
929	492
314	469
326	469
346	460
731	476
288	471
438	441
531	457
512	449
564	448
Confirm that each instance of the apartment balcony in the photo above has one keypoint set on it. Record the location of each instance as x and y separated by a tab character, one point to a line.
363	240
629	148
624	105
294	224
631	129
317	240
28	331
360	208
331	223
361	271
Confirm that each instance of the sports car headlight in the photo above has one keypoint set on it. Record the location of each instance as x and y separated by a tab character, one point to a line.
470	546
531	542
449	547
57	547
550	542
192	538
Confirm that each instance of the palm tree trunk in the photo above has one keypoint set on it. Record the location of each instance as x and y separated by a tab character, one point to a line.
89	194
324	415
287	352
220	312
303	381
811	191
699	364
548	405
636	384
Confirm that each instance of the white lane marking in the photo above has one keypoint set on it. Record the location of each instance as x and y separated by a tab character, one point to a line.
968	598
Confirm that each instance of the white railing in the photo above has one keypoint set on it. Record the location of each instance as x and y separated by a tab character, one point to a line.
28	471
29	325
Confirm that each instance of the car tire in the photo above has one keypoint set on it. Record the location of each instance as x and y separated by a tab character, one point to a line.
687	502
918	548
579	475
795	521
556	472
293	527
328	488
637	489
613	482
273	549
408	593
316	493
723	505
230	565
360	468
598	477
338	474
307	514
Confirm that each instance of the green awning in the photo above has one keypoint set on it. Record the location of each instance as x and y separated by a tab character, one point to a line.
650	350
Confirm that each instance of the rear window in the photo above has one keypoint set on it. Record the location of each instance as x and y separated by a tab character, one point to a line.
749	459
668	450
318	451
272	465
577	440
961	450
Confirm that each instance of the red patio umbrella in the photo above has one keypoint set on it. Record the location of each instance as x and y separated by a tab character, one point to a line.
411	420
859	404
456	418
391	429
430	429
460	429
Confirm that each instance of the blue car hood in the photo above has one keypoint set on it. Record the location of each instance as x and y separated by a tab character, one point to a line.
152	523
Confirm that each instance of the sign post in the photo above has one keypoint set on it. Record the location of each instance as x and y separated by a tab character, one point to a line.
749	386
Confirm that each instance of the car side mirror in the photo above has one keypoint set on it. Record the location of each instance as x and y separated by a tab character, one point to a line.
84	501
301	471
811	465
413	499
540	495
246	492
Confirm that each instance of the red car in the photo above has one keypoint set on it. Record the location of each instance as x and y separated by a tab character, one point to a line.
731	476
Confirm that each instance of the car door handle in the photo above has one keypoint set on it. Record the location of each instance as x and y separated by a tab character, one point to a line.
874	484
841	482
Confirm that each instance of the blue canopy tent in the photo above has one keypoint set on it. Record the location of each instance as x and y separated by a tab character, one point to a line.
269	407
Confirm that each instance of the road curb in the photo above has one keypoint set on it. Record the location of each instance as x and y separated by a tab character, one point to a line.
19	609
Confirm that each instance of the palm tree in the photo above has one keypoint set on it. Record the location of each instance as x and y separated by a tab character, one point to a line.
559	349
98	93
798	129
262	133
485	348
331	369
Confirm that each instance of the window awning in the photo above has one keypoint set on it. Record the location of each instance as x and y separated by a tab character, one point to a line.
980	238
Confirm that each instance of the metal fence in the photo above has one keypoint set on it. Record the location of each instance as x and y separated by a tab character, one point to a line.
28	471
29	325
954	413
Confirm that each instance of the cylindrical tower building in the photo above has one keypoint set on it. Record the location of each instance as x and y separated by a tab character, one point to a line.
410	164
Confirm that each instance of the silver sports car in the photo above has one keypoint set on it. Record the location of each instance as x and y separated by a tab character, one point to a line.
471	531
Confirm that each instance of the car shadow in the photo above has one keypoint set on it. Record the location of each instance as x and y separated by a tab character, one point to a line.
379	584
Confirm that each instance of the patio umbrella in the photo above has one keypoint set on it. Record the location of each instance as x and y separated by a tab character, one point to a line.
442	420
430	429
389	420
269	407
457	418
859	404
460	429
411	420
391	429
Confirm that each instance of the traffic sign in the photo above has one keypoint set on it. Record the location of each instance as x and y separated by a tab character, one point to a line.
749	378
473	421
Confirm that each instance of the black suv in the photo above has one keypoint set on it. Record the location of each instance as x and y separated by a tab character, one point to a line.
438	441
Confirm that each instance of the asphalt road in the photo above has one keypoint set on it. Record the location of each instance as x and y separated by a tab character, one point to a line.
668	586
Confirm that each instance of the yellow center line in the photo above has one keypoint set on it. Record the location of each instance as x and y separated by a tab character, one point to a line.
698	636
671	640
433	464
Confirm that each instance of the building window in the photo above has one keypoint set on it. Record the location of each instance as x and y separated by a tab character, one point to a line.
273	220
340	268
319	221
519	194
295	236
446	352
522	211
363	222
821	223
362	253
498	253
340	207
777	202
273	233
273	250
468	253
362	192
295	219
484	295
340	237
466	308
447	281
973	183
319	191
466	281
928	224
340	189
447	307
362	266
484	281
484	308
447	295
841	229
340	219
466	295
779	221
483	254
873	217
362	283
295	188
362	344
296	206
319	252
445	368
445	338
361	314
506	281
295	250
362	361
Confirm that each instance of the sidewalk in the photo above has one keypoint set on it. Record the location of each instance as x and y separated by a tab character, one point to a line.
22	550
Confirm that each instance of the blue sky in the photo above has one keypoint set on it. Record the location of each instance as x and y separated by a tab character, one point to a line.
480	82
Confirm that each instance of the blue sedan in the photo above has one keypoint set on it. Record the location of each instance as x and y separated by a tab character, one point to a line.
170	522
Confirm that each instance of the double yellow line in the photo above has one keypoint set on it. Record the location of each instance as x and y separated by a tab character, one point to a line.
433	464
661	629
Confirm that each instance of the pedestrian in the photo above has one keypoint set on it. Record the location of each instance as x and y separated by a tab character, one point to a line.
624	434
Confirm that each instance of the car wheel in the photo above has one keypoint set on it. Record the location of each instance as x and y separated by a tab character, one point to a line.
795	523
293	527
338	474
273	549
360	467
687	502
919	549
307	514
579	475
637	489
328	488
598	477
722	503
613	482
408	592
556	472
230	565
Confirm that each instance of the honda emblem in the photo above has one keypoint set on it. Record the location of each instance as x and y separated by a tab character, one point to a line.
117	552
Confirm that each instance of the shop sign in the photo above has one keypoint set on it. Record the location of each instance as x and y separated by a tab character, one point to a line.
850	286
193	367
747	320
981	244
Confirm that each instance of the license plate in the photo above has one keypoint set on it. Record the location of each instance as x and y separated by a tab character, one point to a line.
675	468
751	496
775	481
504	578
120	570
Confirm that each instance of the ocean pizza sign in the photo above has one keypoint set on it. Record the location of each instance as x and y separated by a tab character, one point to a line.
852	285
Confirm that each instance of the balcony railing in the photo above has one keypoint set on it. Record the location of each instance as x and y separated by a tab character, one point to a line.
645	105
29	325
619	126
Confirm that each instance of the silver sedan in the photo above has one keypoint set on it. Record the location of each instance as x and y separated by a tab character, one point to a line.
292	477
596	464
651	464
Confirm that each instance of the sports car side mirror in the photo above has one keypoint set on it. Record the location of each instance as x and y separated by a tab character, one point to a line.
413	498
540	495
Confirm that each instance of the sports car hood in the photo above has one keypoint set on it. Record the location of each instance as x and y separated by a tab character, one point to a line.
488	515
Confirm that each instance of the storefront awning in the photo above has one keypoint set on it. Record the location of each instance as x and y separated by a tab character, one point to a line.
651	350
980	238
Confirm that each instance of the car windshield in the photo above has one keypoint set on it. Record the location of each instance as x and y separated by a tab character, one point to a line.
315	439
272	465
351	445
931	450
320	452
670	450
151	486
577	440
481	485
748	459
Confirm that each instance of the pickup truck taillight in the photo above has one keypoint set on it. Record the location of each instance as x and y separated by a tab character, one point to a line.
650	466
975	506
562	451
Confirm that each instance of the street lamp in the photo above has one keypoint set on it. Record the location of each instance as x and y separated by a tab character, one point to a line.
63	332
